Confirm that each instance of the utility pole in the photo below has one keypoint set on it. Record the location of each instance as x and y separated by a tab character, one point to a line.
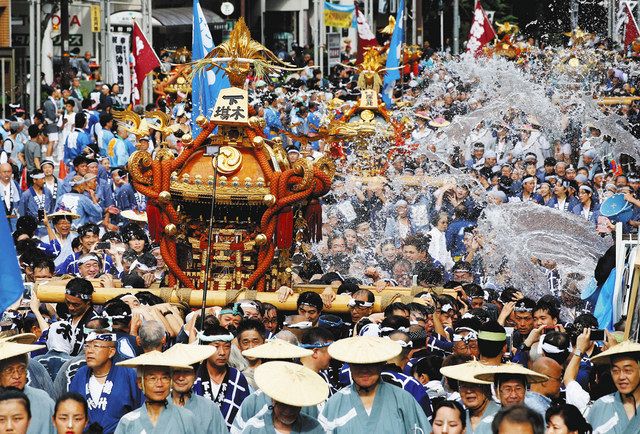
33	81
414	27
64	40
37	92
456	26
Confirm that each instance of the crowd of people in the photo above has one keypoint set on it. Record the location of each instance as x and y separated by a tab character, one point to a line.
473	355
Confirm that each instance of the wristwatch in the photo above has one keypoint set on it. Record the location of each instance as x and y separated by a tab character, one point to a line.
577	353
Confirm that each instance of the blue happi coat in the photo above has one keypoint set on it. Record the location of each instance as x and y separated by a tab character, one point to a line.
120	395
233	390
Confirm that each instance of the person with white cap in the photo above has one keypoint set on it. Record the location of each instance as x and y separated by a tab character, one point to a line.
475	395
290	388
36	201
158	414
209	416
110	390
50	180
618	413
370	404
14	358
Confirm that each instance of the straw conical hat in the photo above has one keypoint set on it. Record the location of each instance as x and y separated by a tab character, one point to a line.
155	358
21	338
10	349
277	349
439	122
364	350
626	347
190	354
63	213
465	372
511	369
291	384
134	216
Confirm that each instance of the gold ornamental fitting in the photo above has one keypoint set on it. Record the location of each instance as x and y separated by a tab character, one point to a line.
269	200
201	121
258	142
187	139
164	197
260	239
229	160
170	229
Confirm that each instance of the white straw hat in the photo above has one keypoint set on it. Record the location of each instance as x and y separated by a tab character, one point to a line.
465	372
291	384
190	354
364	350
134	216
10	349
155	358
510	369
277	349
626	347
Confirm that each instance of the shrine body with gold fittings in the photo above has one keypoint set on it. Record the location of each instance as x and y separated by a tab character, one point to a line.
256	193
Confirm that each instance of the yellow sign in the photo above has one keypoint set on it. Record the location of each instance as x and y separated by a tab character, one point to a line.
232	107
337	18
95	18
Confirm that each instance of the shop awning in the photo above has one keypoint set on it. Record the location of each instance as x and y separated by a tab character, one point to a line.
171	17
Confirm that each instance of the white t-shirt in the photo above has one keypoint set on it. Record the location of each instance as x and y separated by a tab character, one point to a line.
95	388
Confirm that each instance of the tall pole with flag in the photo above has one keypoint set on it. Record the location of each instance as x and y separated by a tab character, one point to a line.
481	32
206	84
11	285
366	38
145	60
393	56
631	32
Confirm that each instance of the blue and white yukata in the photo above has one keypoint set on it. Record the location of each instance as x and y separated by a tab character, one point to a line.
391	374
210	420
393	411
484	427
120	395
41	411
262	423
233	390
80	204
608	416
173	420
258	403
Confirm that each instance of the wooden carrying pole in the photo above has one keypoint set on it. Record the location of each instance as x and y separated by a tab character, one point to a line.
53	292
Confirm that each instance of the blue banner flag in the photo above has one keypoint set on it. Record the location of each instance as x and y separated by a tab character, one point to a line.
11	286
393	56
206	84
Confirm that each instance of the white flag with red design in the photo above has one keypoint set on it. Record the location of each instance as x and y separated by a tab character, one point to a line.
481	32
631	32
145	60
366	38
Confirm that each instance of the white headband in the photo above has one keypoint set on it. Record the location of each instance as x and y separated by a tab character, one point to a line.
215	338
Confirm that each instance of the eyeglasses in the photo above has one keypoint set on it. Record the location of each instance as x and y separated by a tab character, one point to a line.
16	370
517	390
158	379
269	320
92	346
